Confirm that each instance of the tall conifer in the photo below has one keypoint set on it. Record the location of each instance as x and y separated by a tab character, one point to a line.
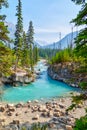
3	28
30	43
18	33
81	40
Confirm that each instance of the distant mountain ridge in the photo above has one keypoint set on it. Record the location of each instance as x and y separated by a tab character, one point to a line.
11	29
42	44
64	41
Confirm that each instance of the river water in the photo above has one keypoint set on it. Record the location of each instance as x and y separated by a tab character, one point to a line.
42	88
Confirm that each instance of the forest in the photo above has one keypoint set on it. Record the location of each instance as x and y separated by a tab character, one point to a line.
24	54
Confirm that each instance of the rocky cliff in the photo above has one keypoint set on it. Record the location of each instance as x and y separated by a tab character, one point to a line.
67	72
20	77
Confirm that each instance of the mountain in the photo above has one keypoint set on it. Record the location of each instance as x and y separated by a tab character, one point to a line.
11	28
64	42
43	44
37	44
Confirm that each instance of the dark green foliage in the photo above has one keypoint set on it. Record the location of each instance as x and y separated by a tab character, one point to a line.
5	59
81	43
3	32
81	124
38	127
71	107
47	53
83	85
81	18
3	28
25	52
30	34
3	3
81	39
5	52
35	53
18	33
62	56
79	98
79	1
30	43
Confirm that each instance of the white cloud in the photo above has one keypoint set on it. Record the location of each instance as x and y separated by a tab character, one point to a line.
63	29
51	35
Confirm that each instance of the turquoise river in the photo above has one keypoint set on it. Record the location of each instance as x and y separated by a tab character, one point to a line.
42	88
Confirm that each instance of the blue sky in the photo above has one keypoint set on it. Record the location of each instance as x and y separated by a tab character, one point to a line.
49	17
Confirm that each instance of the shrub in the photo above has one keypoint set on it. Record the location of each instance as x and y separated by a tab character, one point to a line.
81	124
62	56
38	127
83	85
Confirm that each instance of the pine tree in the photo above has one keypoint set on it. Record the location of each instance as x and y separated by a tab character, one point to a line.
5	52
25	52
36	55
30	43
81	40
5	60
3	28
79	1
3	3
18	33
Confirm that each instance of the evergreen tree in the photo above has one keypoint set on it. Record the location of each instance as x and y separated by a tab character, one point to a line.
3	28
25	52
30	43
36	55
5	60
79	1
3	3
5	52
18	33
81	40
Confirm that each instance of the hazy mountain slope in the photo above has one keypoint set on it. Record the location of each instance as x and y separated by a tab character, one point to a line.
11	28
64	42
42	44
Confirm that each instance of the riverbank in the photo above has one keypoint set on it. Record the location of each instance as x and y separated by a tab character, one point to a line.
68	72
18	78
53	113
21	76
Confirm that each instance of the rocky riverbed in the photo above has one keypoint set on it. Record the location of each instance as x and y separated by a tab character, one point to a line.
52	112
